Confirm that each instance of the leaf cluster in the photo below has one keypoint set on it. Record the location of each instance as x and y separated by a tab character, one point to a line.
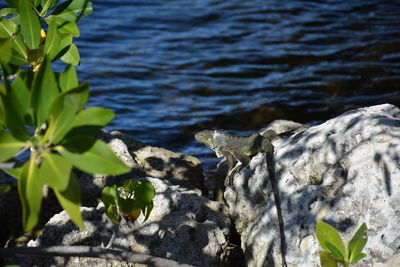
334	250
45	129
128	200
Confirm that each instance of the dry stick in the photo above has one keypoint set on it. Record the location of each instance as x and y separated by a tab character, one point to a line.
88	251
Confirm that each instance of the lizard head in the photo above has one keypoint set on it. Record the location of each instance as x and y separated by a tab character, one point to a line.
205	137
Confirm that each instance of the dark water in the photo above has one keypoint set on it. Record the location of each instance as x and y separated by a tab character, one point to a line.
171	68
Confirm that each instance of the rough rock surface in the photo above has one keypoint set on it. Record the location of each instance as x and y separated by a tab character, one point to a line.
183	226
144	160
345	171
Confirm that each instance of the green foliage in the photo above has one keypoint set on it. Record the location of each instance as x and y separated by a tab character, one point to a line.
42	112
334	250
128	200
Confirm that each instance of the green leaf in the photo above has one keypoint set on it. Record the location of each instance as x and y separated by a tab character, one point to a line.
334	251
358	257
78	143
9	146
13	121
146	211
20	54
30	193
94	116
357	243
19	96
36	2
5	50
70	200
8	11
65	42
16	172
12	3
326	259
145	193
30	24
2	89
72	55
4	189
64	110
326	234
97	159
2	112
47	4
69	28
55	171
68	79
52	41
44	92
109	198
73	10
7	28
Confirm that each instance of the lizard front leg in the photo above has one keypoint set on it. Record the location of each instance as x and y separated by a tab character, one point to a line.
243	159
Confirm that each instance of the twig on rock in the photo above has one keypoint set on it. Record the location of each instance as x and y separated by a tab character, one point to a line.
88	251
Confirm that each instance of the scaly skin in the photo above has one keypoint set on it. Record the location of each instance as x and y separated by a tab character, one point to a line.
236	148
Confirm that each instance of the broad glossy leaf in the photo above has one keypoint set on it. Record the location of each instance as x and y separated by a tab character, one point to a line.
16	172
44	92
328	234
30	24
55	171
68	79
94	116
30	193
109	195
65	42
36	2
46	5
13	121
358	257
334	251
69	28
52	41
64	109
109	198
98	159
74	99
73	10
326	259
19	96
9	146
5	50
145	192
7	28
12	3
78	143
357	243
2	113
146	211
2	89
129	187
72	55
8	11
4	189
70	200
19	55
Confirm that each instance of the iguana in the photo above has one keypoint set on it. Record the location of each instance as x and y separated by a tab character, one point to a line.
236	148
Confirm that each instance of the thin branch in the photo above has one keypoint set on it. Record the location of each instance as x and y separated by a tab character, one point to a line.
88	251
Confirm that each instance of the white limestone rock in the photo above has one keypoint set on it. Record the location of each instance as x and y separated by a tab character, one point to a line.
345	171
183	226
